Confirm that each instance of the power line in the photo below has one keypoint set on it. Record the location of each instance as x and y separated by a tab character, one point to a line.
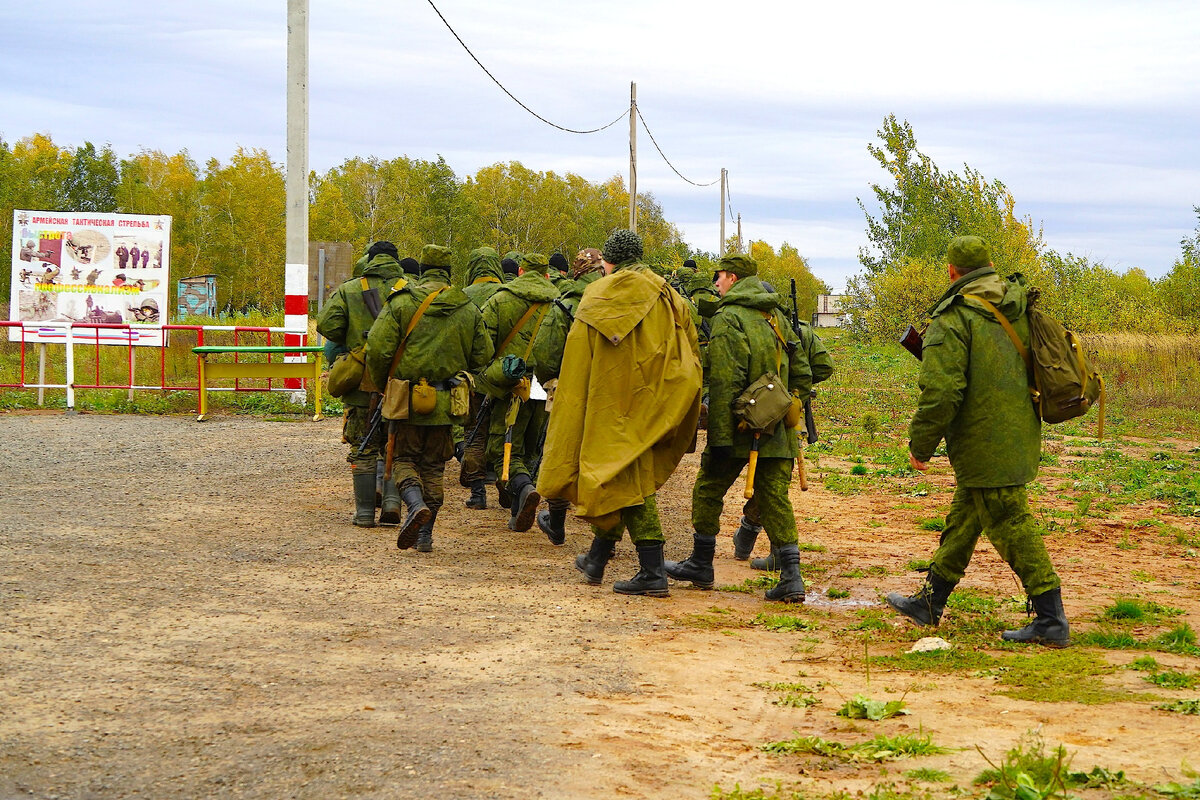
513	96
664	155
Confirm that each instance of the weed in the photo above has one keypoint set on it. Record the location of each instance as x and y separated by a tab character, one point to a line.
1189	791
1141	575
810	547
1027	772
1126	543
862	707
858	469
933	524
1180	639
1060	676
752	585
784	622
928	775
972	601
738	793
1144	664
1132	609
881	748
1169	679
871	620
837	594
1182	707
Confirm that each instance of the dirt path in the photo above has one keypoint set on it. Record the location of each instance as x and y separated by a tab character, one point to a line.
188	613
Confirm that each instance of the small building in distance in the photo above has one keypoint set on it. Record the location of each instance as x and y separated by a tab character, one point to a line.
829	311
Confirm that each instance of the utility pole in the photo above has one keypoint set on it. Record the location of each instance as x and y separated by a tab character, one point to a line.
633	156
739	231
295	308
721	249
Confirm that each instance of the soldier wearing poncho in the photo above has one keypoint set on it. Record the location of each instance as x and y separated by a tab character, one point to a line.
447	341
751	338
975	395
625	411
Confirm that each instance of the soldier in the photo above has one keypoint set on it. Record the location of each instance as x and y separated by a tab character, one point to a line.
411	267
135	256
484	277
509	265
975	395
821	364
122	256
146	312
549	351
430	335
345	320
558	272
513	316
625	411
751	338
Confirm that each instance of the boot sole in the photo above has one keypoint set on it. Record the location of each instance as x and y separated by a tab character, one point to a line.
364	524
408	534
469	504
524	520
424	548
646	593
705	585
797	597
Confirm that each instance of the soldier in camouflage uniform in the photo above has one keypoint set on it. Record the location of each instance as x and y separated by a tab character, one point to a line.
510	266
558	272
484	278
751	337
975	394
447	342
513	316
821	364
344	321
548	350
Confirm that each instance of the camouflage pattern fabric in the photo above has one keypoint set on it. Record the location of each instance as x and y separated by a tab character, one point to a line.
772	478
419	459
354	428
527	436
474	463
1002	514
641	521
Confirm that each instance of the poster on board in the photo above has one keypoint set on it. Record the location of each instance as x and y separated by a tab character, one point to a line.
94	269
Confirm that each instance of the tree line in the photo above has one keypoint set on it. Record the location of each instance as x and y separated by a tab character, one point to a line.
229	218
920	207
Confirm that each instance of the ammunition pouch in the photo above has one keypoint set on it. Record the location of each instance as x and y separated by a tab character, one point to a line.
347	372
765	403
396	399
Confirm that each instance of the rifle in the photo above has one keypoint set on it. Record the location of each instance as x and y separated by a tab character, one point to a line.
374	417
484	408
795	310
810	424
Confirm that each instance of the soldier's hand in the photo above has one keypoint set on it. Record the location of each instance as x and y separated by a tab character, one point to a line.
460	449
919	466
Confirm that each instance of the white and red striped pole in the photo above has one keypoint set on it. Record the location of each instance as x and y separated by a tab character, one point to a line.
295	314
295	281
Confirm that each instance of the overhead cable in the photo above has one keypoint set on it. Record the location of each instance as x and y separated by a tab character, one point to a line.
664	155
624	113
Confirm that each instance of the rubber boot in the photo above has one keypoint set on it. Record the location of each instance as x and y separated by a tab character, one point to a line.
553	521
418	514
744	538
926	606
790	588
389	510
1049	627
478	498
525	503
651	579
698	568
505	495
592	563
425	533
768	564
364	497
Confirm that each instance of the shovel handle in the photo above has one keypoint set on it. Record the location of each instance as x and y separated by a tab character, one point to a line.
749	493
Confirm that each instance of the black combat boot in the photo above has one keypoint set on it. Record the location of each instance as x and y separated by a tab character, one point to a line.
425	533
389	510
1049	627
524	504
768	564
651	579
698	568
364	497
553	522
592	563
418	514
744	538
926	606
505	495
790	588
478	498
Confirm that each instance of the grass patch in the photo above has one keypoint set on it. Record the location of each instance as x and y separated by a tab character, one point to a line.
881	748
1059	677
870	619
972	601
1169	679
738	793
939	662
784	622
752	585
715	619
837	594
791	695
1144	664
862	707
928	775
918	564
1182	707
811	547
1131	609
1029	772
933	524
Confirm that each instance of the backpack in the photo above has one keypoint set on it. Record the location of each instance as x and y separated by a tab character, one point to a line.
1063	382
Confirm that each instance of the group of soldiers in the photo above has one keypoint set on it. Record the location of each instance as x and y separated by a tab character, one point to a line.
584	384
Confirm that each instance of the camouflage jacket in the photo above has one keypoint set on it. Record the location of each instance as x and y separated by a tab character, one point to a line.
974	389
483	275
504	310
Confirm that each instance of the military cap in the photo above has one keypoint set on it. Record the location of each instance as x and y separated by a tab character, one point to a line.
534	262
690	263
559	262
436	256
968	253
509	266
410	266
587	257
514	256
739	264
382	247
622	247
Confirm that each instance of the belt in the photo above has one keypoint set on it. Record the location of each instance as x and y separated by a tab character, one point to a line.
446	385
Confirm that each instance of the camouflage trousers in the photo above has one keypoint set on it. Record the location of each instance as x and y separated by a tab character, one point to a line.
772	478
354	428
1002	515
642	522
419	459
474	463
526	437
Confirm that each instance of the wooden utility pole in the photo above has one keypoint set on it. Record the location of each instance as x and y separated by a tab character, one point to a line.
721	249
633	157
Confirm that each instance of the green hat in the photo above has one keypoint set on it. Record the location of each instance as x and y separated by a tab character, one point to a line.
739	264
535	262
968	253
622	247
436	257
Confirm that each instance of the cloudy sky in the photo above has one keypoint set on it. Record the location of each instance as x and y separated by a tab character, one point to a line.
1089	111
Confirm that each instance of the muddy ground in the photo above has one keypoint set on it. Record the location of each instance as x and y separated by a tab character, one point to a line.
186	612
